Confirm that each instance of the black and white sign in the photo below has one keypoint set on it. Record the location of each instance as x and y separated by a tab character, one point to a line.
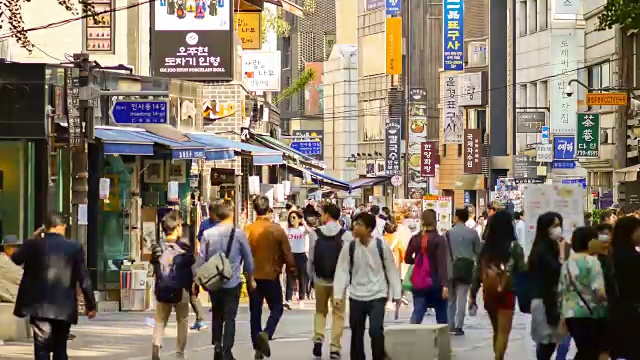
75	126
530	122
392	144
524	167
470	88
544	153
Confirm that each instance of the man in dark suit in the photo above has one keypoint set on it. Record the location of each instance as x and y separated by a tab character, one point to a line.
54	267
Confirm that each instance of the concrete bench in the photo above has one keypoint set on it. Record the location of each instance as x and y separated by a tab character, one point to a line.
12	328
418	342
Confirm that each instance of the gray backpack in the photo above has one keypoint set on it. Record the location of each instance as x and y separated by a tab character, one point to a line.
217	270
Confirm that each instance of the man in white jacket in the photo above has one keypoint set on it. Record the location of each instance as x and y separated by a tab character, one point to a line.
367	269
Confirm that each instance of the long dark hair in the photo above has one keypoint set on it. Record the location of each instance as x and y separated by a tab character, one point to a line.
543	242
623	233
296	213
499	235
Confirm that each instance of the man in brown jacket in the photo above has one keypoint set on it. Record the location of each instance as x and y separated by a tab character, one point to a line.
271	250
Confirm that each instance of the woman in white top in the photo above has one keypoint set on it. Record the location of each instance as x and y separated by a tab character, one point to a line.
298	234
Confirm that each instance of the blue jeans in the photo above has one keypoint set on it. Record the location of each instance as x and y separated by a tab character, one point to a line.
432	298
271	292
563	348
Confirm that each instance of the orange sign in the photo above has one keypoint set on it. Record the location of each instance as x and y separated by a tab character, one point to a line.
607	99
248	25
394	45
212	110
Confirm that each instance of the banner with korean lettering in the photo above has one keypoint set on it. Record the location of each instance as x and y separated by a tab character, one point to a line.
453	35
588	142
564	148
428	158
392	145
472	151
566	55
452	129
248	25
262	70
192	40
394	45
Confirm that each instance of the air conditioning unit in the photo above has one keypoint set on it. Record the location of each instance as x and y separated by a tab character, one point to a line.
477	53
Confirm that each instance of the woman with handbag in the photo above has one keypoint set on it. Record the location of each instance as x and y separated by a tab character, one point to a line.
582	296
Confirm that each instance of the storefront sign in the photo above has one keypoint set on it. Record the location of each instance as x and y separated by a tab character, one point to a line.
563	164
524	167
564	51
192	40
223	176
373	4
452	123
248	25
453	32
530	122
429	158
140	111
607	99
471	90
581	181
564	147
544	153
185	154
472	151
588	141
393	7
392	145
394	45
72	88
261	69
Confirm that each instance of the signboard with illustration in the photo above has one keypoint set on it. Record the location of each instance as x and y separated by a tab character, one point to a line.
443	206
410	210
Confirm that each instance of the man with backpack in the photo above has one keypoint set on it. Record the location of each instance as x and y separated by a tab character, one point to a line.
173	278
325	244
367	268
223	251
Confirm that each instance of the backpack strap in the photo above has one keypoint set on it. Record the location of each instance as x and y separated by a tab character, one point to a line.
352	250
380	246
232	235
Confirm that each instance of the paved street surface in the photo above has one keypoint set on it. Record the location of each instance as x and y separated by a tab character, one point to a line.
126	336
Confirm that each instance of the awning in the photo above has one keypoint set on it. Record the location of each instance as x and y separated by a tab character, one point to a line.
261	155
469	182
627	174
320	178
367	181
288	151
182	150
288	6
123	142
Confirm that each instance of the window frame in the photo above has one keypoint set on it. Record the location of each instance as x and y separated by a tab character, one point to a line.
112	28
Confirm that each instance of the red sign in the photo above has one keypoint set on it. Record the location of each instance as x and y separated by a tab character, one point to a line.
472	151
428	158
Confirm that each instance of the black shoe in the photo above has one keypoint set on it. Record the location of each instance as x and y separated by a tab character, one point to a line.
258	355
458	332
335	355
217	354
262	344
317	349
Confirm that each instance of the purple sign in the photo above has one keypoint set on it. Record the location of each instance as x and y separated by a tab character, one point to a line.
373	4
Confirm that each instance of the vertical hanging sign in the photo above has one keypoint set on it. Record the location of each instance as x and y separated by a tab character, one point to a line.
588	139
453	35
452	129
394	45
564	51
392	143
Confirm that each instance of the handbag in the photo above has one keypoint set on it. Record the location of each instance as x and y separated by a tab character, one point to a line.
462	268
406	282
575	289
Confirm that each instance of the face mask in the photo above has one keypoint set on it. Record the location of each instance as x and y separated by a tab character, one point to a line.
603	238
555	233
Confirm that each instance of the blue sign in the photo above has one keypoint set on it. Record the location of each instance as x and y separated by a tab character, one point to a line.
453	31
564	147
582	182
545	133
563	164
184	154
393	7
309	148
140	112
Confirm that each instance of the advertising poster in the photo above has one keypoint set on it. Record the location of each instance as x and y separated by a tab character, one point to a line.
394	45
411	212
192	39
443	207
417	182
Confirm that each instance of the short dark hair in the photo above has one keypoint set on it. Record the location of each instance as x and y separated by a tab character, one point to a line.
491	207
222	209
462	214
606	215
288	206
53	220
375	210
366	219
604	227
261	205
386	210
581	238
332	210
171	222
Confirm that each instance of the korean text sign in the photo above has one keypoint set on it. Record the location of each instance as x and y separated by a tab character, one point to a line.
248	25
261	70
392	143
563	108
588	141
564	147
472	151
428	158
453	35
394	45
452	129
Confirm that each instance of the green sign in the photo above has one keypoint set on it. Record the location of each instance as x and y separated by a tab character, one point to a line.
588	136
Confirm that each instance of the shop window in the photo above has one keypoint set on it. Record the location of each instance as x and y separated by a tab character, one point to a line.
99	33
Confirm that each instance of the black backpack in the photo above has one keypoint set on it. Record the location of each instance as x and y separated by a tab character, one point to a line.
326	253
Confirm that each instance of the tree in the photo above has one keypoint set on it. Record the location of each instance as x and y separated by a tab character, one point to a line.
299	85
275	21
625	13
11	15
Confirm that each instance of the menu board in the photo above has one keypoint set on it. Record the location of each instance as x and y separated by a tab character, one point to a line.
565	199
443	207
411	212
99	31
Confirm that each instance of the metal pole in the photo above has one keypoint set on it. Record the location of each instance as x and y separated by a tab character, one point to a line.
407	9
333	125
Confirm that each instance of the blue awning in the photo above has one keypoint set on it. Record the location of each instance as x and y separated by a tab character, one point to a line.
288	151
320	178
181	150
367	181
123	142
261	155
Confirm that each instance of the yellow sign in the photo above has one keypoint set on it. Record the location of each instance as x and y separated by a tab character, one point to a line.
607	99
248	25
394	45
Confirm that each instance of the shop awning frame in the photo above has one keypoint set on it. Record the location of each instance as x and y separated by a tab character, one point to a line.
627	174
123	142
261	156
186	150
358	183
274	144
320	178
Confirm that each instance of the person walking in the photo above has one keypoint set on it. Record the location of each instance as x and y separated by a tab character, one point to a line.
10	273
298	235
225	238
271	251
499	261
366	268
379	230
54	268
325	245
428	253
464	246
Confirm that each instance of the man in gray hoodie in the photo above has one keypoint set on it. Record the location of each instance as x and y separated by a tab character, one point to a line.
325	245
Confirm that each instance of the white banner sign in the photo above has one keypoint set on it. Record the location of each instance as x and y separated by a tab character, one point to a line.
544	153
470	89
564	52
261	70
452	129
565	9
